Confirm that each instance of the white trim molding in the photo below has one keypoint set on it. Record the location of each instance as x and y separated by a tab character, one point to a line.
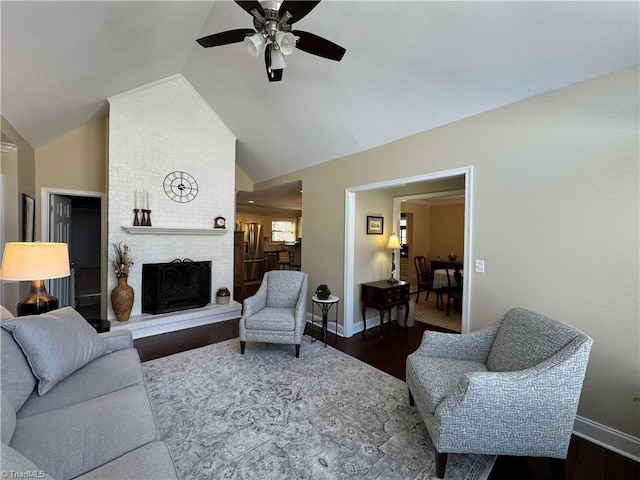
350	321
6	147
607	437
174	231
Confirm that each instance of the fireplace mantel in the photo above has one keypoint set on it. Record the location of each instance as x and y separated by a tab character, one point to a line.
174	231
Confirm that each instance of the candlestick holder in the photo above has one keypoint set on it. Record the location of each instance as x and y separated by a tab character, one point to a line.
136	220
146	218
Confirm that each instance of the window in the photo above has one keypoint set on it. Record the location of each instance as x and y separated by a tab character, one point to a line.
283	231
404	251
403	231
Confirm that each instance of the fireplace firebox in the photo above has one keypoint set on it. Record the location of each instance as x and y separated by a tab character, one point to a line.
174	286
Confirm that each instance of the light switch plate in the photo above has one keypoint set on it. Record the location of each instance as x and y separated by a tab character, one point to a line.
479	266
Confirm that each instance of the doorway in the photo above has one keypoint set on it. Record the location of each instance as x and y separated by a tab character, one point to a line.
351	289
78	219
439	234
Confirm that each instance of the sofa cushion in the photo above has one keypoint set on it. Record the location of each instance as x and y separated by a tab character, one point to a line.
276	319
105	374
56	344
527	338
118	339
152	461
12	461
16	377
283	288
74	440
7	419
438	376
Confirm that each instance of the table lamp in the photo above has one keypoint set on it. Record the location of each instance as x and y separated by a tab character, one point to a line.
35	261
392	245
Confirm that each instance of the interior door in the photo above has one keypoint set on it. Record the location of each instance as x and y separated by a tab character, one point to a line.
60	231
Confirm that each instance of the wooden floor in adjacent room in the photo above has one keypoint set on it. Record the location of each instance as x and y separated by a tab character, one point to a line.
586	461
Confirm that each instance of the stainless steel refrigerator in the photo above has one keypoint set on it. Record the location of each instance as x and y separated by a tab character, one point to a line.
254	252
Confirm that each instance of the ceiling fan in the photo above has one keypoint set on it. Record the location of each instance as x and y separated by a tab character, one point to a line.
273	33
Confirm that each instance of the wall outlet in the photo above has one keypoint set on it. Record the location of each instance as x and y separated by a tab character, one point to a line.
479	266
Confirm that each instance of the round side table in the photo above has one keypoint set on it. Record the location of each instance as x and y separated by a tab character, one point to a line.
325	306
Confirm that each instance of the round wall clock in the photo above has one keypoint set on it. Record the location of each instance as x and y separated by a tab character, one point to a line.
180	186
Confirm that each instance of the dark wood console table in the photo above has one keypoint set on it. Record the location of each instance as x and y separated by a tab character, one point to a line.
384	296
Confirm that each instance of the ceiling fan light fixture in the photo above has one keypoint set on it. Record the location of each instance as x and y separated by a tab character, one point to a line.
255	43
277	59
286	41
272	35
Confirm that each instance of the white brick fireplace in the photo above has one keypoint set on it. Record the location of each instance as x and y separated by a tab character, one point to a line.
155	130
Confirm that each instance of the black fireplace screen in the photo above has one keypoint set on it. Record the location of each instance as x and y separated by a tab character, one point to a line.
174	286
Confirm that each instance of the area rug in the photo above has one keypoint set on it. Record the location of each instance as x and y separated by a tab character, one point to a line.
267	415
427	312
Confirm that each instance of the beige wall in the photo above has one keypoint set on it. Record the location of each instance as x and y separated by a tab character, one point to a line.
555	193
446	231
75	161
243	182
26	165
23	182
10	221
436	231
419	241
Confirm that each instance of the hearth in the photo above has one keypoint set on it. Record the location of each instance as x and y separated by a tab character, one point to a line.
174	286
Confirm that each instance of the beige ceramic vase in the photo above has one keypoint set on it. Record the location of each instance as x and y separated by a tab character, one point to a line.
122	299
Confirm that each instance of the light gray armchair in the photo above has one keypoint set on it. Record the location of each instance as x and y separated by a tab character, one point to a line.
277	312
508	389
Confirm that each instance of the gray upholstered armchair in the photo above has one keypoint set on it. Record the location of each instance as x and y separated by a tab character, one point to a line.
277	312
508	389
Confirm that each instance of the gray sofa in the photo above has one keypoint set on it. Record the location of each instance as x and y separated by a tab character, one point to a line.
74	403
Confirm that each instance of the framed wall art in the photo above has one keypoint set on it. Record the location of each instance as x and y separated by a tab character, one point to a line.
28	218
375	225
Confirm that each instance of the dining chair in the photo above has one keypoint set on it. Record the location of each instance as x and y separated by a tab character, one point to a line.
453	290
425	280
284	260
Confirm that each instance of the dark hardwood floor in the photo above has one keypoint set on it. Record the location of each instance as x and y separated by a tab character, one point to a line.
585	459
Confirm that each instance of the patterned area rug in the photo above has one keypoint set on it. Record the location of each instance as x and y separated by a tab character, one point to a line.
267	415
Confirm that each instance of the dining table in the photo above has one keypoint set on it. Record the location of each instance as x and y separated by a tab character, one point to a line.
440	278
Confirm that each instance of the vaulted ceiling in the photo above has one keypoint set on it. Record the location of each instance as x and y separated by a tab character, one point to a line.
409	67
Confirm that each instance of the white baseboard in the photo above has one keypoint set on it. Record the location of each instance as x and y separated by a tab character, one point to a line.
339	329
607	437
332	325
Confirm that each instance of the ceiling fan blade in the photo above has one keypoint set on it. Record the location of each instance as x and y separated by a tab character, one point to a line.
272	74
225	38
298	10
319	46
250	5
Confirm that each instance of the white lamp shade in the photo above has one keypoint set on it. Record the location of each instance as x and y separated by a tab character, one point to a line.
254	43
34	261
286	41
277	59
393	242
